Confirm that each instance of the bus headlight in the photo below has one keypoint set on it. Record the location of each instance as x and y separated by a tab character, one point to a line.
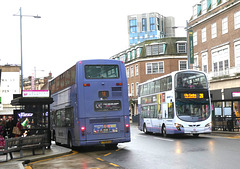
209	124
177	125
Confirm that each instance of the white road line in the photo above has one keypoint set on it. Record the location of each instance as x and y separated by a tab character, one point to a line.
142	136
164	139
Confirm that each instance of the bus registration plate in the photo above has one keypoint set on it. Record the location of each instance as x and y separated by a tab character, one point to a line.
106	142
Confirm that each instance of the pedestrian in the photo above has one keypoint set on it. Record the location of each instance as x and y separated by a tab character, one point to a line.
4	124
19	126
9	126
2	140
2	128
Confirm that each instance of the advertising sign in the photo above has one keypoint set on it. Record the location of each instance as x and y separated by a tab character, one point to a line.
35	93
108	105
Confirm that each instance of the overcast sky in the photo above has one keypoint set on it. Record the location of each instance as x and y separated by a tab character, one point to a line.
73	30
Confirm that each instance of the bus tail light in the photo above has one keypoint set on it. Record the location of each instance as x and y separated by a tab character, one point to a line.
127	128
119	84
83	130
86	84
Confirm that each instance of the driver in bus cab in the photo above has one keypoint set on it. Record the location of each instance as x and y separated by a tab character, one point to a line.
199	85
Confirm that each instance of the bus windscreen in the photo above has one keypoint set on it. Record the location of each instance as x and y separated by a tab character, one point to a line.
101	71
191	80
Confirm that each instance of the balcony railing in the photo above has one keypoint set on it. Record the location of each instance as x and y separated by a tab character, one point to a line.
229	72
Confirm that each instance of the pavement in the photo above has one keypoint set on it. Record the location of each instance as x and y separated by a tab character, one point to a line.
56	151
19	163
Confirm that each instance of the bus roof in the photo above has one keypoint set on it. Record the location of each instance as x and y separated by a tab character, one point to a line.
172	74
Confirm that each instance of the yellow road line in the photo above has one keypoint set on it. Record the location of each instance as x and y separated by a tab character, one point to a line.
100	159
234	137
115	165
73	153
28	167
107	154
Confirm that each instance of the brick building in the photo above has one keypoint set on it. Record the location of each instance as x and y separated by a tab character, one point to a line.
151	59
216	38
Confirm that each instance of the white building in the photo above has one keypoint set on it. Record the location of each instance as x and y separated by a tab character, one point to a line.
10	84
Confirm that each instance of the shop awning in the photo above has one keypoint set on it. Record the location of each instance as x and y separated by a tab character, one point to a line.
31	100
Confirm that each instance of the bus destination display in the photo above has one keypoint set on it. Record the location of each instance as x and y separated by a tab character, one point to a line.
193	96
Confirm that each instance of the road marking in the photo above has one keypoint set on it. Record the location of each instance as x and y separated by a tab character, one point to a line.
73	153
115	165
234	137
28	167
100	159
164	139
107	154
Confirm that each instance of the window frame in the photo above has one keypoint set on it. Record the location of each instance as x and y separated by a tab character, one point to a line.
225	25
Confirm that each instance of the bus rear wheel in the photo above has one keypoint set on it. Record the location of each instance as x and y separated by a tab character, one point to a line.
70	145
111	146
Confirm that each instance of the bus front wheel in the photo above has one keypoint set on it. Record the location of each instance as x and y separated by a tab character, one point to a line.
164	131
195	135
145	129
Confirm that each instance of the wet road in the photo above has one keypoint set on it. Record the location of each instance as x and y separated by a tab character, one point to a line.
153	152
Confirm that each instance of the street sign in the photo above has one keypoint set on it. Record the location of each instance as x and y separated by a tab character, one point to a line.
191	50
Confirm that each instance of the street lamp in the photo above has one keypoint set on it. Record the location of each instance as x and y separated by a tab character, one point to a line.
34	16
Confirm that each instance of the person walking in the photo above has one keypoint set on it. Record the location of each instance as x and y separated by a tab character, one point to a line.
2	140
19	126
9	126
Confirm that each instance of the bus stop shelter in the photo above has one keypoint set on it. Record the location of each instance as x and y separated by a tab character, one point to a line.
34	106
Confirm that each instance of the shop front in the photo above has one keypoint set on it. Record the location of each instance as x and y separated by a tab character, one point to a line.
226	107
33	111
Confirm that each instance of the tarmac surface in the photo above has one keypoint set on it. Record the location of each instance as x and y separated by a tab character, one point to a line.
56	151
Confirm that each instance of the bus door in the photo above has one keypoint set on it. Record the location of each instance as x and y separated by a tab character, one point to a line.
154	118
146	117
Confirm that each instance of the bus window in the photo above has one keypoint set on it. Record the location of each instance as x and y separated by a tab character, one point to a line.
69	117
101	71
139	90
63	118
163	84
151	87
145	112
169	83
191	80
58	119
145	89
157	86
152	111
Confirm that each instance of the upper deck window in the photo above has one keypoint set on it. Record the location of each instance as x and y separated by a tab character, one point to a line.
191	80
101	71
